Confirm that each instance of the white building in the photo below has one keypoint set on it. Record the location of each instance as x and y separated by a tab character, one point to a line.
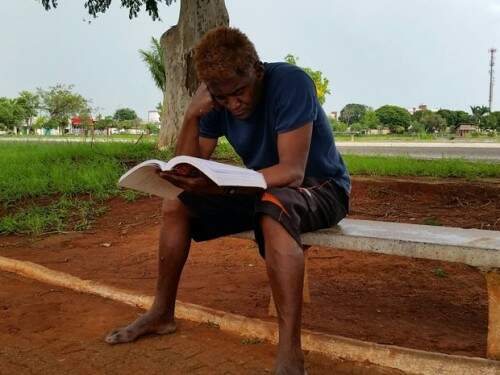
421	107
154	117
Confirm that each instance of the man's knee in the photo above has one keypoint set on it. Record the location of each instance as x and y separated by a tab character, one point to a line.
276	237
173	208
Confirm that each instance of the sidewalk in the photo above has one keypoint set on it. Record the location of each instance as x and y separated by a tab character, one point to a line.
451	144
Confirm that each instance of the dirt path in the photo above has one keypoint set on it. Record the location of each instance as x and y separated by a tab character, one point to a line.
46	330
451	202
420	304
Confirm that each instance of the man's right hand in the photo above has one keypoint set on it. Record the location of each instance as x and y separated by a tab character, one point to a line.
201	103
192	180
189	141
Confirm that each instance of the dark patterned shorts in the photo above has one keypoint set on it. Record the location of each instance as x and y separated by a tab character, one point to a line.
315	205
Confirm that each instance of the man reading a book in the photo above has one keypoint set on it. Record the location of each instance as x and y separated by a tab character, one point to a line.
270	114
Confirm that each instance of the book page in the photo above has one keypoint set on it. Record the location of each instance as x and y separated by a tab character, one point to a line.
147	180
144	176
152	163
222	174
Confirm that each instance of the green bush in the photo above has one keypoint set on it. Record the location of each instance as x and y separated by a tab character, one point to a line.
394	118
338	126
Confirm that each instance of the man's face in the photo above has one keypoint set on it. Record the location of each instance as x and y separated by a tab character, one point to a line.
240	94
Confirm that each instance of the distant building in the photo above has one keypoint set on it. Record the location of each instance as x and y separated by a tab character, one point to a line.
334	115
45	131
464	129
76	125
379	131
154	117
421	107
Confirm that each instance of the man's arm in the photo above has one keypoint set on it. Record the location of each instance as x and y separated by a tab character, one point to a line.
189	141
293	149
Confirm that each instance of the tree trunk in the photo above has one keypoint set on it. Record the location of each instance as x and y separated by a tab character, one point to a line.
195	19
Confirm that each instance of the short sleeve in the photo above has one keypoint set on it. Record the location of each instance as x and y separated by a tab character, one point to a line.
210	125
296	103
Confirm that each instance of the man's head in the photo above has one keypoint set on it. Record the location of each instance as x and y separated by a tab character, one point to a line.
226	60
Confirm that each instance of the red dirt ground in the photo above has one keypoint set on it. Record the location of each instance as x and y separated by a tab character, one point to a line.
46	330
453	203
385	299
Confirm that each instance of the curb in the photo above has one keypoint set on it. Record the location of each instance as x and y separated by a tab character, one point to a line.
336	347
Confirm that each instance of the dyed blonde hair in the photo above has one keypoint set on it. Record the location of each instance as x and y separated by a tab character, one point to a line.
223	53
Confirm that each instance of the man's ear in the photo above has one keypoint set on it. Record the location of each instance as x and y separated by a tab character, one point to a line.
259	70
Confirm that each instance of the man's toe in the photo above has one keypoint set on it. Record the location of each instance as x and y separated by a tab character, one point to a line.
113	337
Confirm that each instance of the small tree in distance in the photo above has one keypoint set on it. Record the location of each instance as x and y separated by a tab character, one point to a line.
353	113
397	119
451	117
370	119
338	126
60	102
478	114
105	124
321	83
123	114
433	122
30	103
11	114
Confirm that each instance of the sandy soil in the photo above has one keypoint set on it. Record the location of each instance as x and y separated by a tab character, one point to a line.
46	330
452	202
421	304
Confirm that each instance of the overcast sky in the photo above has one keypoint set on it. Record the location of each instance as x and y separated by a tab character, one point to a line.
374	52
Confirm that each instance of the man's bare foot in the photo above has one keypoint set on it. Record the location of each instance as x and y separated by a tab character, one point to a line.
145	324
289	369
290	364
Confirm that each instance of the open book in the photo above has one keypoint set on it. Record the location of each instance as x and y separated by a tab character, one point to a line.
144	176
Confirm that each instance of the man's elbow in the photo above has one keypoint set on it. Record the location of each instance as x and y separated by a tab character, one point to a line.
296	178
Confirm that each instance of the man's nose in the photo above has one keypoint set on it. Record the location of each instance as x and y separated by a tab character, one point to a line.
233	103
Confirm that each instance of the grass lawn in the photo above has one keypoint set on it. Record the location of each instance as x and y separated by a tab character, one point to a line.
61	186
46	187
400	166
79	137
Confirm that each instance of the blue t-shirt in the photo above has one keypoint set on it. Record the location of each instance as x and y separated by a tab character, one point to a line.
289	101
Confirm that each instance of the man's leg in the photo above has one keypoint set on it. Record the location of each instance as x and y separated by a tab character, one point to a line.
173	251
285	268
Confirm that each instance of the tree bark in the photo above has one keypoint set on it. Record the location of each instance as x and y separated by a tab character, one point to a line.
195	19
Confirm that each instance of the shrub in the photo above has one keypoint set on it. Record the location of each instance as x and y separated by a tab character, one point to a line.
394	118
338	126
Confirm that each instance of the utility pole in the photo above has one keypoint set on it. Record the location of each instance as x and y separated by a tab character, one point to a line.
492	75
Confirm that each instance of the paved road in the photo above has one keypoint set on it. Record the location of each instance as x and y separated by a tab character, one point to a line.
420	150
471	151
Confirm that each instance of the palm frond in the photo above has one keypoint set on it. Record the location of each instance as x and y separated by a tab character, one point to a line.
154	60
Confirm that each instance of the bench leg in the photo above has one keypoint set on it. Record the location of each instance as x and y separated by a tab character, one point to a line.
306	295
493	282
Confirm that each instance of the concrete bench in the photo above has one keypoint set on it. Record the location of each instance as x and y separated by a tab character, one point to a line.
478	248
